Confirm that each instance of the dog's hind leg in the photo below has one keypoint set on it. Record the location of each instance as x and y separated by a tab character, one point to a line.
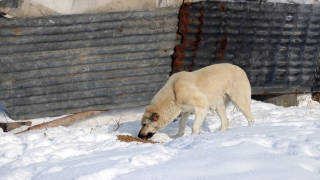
242	102
200	116
221	111
182	125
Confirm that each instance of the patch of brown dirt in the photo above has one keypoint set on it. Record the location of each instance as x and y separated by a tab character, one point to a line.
127	138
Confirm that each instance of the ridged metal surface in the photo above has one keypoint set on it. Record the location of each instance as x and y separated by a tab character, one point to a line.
276	44
67	64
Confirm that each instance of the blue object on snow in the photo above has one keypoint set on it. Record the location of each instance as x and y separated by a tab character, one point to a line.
4	111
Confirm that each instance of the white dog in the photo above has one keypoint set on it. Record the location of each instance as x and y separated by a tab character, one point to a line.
197	91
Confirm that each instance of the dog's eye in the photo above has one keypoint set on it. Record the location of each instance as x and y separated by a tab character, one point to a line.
143	124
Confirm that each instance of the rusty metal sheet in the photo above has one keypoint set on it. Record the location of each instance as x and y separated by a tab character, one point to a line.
276	44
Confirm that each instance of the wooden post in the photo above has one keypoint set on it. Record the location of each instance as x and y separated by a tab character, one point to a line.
316	96
13	125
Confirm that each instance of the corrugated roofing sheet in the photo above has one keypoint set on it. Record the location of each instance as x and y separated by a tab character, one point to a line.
276	44
67	64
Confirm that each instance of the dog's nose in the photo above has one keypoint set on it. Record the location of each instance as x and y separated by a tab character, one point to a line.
141	136
148	136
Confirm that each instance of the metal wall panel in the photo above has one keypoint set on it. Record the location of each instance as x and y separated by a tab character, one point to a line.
276	44
67	64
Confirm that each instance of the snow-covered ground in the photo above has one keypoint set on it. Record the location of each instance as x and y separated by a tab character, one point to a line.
284	143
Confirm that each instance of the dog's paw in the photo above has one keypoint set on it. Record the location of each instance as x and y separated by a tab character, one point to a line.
176	136
224	128
250	122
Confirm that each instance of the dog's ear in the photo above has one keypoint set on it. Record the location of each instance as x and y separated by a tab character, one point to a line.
154	117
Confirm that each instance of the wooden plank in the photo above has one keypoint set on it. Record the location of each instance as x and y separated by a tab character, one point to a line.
13	125
62	121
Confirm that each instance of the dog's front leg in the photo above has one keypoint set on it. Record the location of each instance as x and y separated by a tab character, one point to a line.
200	115
182	125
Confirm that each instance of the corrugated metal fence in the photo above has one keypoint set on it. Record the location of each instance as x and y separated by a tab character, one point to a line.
67	64
276	44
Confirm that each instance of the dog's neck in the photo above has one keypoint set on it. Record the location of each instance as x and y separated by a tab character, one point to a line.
166	105
168	110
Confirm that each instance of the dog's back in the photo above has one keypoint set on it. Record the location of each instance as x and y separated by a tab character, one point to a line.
214	81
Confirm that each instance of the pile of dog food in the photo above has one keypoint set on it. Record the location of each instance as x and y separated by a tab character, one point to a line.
127	138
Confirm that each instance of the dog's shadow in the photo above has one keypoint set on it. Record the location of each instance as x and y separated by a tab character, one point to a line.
133	128
173	127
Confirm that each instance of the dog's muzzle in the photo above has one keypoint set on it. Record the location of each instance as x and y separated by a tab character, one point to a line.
148	136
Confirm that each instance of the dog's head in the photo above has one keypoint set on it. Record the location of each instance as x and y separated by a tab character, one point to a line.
150	124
